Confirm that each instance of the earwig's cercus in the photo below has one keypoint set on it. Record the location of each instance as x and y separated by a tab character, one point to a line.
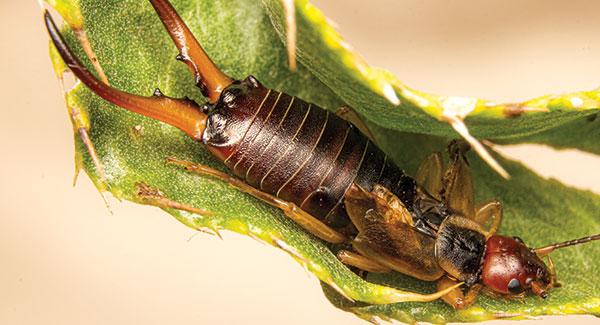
337	184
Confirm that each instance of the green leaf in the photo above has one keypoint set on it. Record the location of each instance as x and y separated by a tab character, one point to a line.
582	133
244	37
323	51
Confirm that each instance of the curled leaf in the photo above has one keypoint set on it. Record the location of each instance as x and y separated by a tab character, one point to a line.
245	37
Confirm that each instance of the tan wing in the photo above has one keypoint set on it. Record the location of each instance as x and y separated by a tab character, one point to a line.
387	237
459	193
458	184
430	174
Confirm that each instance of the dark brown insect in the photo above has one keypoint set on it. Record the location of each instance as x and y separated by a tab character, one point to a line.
337	184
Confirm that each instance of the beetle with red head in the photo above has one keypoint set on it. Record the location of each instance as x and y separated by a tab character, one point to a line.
323	173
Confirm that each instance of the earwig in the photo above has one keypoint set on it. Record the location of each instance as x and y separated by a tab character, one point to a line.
323	173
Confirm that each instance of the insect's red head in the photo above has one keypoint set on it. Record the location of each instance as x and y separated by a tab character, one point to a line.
512	268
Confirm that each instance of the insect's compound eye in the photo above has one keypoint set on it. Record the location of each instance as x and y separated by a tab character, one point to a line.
514	286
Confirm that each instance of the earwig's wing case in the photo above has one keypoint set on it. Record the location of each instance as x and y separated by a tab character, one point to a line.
390	241
138	62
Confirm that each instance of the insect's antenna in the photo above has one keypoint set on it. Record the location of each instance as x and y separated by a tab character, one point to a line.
550	248
209	77
181	113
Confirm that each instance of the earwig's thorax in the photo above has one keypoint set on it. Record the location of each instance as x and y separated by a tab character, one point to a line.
429	213
460	247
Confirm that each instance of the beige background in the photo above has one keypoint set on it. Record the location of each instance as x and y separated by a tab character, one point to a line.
64	259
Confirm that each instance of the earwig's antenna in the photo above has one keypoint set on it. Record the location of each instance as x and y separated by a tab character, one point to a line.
542	251
209	77
181	113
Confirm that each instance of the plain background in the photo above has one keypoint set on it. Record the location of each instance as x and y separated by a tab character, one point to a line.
65	259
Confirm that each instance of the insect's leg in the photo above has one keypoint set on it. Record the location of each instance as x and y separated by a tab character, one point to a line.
181	113
348	114
209	77
308	222
430	174
458	184
456	298
361	262
552	269
152	196
489	216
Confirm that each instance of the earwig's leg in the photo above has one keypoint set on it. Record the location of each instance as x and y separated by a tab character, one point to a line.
87	48
308	222
348	114
552	269
181	113
152	196
458	184
81	126
430	174
456	298
489	216
73	17
209	78
361	262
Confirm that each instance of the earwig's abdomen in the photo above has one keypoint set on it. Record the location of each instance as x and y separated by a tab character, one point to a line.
297	151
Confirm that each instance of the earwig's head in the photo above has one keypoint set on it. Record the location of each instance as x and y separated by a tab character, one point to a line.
510	267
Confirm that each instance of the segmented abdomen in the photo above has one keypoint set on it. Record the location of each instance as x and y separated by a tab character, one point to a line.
298	151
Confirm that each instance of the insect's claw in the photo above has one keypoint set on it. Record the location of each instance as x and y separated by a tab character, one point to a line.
183	114
209	77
